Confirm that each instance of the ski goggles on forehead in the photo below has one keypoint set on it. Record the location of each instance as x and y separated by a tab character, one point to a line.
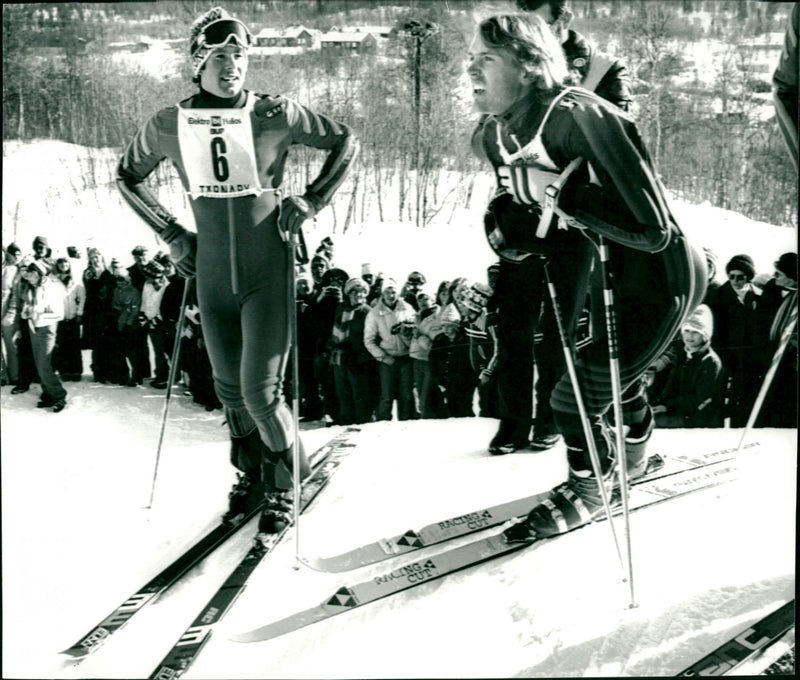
220	33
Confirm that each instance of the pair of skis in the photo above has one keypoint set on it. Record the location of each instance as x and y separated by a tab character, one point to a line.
323	461
664	484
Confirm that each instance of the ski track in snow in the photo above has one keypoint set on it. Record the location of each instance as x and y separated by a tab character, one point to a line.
705	566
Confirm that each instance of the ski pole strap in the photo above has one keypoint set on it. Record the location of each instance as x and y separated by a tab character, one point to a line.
551	195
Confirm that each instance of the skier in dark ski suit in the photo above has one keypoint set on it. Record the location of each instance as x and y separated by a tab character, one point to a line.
538	130
229	146
521	288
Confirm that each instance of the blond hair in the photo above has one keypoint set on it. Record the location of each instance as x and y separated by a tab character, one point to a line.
533	45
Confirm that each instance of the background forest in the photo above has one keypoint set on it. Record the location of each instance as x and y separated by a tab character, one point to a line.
702	90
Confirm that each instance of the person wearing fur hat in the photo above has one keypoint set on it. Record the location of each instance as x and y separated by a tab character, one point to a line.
67	357
736	329
230	148
693	394
349	358
388	331
99	284
42	309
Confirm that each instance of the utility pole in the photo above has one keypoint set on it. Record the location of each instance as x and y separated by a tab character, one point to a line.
419	31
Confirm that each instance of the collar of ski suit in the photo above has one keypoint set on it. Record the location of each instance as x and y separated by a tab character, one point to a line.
206	100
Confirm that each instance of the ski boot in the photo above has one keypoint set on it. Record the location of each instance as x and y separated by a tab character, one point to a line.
636	438
544	441
512	435
570	505
245	496
248	491
276	514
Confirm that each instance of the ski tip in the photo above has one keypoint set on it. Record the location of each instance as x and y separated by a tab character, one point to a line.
248	636
75	652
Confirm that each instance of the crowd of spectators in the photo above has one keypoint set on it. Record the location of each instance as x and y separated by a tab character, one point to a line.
369	347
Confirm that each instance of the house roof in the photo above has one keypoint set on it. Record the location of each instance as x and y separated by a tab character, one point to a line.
289	32
339	36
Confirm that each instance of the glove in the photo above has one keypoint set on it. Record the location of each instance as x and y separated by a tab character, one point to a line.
294	211
182	248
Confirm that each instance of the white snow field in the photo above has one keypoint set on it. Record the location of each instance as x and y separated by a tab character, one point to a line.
77	542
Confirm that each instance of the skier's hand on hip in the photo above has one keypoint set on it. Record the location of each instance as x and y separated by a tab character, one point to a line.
182	248
294	211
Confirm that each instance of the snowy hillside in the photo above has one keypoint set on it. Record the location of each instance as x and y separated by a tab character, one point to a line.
77	542
44	193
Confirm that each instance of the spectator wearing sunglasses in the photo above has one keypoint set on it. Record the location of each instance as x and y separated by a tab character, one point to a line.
736	317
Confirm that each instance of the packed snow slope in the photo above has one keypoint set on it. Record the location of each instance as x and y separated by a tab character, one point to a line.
77	542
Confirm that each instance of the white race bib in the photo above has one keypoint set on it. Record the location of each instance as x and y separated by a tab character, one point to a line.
218	153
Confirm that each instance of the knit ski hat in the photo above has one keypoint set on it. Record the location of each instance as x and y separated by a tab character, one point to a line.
40	241
742	263
389	283
366	269
13	249
39	267
702	321
214	29
787	265
450	315
355	283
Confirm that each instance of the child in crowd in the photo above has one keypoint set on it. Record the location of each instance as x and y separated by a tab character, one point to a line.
692	395
450	366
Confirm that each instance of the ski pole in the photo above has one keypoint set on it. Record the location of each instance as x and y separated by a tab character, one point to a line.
587	430
173	367
291	300
776	359
616	392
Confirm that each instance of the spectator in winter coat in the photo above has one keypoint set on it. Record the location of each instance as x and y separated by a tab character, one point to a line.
12	319
42	252
99	284
480	329
324	307
735	309
388	332
125	303
779	300
171	305
451	370
10	366
350	360
412	287
42	309
692	396
67	358
137	273
195	358
152	323
428	326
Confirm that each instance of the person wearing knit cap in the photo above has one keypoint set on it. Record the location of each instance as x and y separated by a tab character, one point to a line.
452	373
737	327
351	362
230	146
367	273
693	394
43	252
388	331
42	309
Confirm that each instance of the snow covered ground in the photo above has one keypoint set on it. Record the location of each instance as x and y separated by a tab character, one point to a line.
77	541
